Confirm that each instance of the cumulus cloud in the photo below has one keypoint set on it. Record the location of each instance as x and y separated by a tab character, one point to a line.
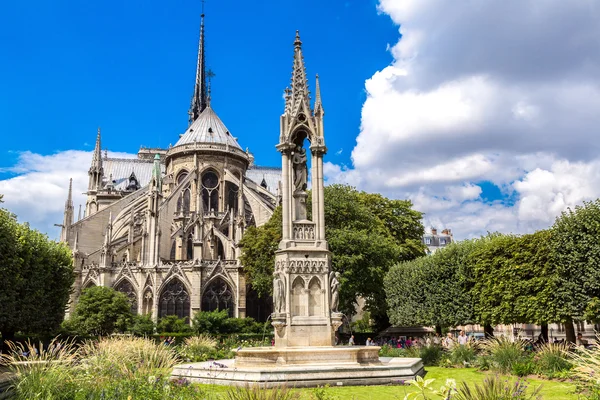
38	190
502	92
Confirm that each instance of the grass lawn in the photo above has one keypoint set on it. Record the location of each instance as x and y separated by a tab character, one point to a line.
551	390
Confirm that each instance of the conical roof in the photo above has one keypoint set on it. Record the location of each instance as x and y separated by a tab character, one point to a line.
208	128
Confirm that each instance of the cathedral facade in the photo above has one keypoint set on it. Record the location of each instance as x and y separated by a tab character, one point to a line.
165	228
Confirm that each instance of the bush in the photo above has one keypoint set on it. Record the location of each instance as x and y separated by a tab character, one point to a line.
142	325
552	359
389	351
171	323
201	348
504	353
523	368
494	388
219	322
462	355
431	355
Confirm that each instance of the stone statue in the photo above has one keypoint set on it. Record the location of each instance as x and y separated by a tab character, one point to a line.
334	283
300	169
279	294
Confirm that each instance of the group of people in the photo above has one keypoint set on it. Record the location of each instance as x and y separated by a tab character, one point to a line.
168	340
404	342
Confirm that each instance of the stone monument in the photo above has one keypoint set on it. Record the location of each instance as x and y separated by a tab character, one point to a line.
305	289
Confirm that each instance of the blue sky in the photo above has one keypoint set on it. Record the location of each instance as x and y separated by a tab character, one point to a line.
128	67
483	114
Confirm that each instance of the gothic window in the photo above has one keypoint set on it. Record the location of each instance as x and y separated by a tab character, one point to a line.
218	296
315	298
174	300
232	196
210	191
183	202
127	289
181	176
190	247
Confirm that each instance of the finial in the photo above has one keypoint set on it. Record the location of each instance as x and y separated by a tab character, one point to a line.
297	42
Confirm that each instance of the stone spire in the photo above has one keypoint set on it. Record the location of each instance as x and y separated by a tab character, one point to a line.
199	99
299	90
68	217
319	111
156	175
96	170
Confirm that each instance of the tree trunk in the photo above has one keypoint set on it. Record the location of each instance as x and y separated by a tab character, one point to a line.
570	331
488	330
544	332
6	337
438	329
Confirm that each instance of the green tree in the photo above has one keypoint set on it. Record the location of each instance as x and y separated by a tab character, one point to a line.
576	253
433	290
142	325
36	275
101	311
173	324
258	253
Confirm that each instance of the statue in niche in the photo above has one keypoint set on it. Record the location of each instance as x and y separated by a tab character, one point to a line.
300	169
334	283
279	294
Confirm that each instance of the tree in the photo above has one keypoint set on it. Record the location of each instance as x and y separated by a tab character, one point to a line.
576	254
36	275
173	324
433	290
101	311
142	325
367	234
258	253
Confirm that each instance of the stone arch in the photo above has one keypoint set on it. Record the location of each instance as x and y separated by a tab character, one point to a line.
315	297
88	285
210	184
174	299
298	288
181	175
218	295
126	287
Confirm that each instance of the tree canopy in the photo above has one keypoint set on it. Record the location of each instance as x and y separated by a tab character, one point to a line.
101	310
36	275
367	234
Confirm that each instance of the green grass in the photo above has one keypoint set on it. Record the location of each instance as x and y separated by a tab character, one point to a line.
551	390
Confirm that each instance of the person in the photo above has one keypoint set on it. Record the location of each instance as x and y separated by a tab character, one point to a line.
580	340
462	338
273	342
369	342
428	341
448	341
409	342
351	341
437	340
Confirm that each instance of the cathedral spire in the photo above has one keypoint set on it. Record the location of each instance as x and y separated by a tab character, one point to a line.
199	99
68	217
299	90
97	156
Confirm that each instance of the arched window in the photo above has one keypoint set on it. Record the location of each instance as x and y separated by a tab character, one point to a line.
210	192
218	296
190	247
297	293
232	196
181	176
315	299
174	300
183	202
126	288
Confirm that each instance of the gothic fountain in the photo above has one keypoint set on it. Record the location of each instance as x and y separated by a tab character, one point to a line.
305	290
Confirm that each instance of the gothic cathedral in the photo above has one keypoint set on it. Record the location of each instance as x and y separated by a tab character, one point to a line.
164	228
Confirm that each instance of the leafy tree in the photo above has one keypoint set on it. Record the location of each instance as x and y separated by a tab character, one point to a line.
101	311
432	290
142	325
258	255
576	253
216	322
173	324
36	275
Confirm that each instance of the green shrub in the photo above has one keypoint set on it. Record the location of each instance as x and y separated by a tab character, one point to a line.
431	355
462	354
389	351
495	388
142	325
219	322
171	323
504	353
552	359
483	363
523	368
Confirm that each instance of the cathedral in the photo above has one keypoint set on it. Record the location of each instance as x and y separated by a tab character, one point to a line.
164	228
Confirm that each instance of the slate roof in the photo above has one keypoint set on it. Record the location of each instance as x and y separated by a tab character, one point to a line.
208	128
121	168
271	175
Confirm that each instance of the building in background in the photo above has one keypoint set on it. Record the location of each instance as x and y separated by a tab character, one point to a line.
435	241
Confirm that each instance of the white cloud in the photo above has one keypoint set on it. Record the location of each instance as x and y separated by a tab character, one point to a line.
38	191
499	91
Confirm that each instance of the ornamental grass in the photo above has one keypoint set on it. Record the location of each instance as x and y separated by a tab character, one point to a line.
552	359
257	393
504	353
496	388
